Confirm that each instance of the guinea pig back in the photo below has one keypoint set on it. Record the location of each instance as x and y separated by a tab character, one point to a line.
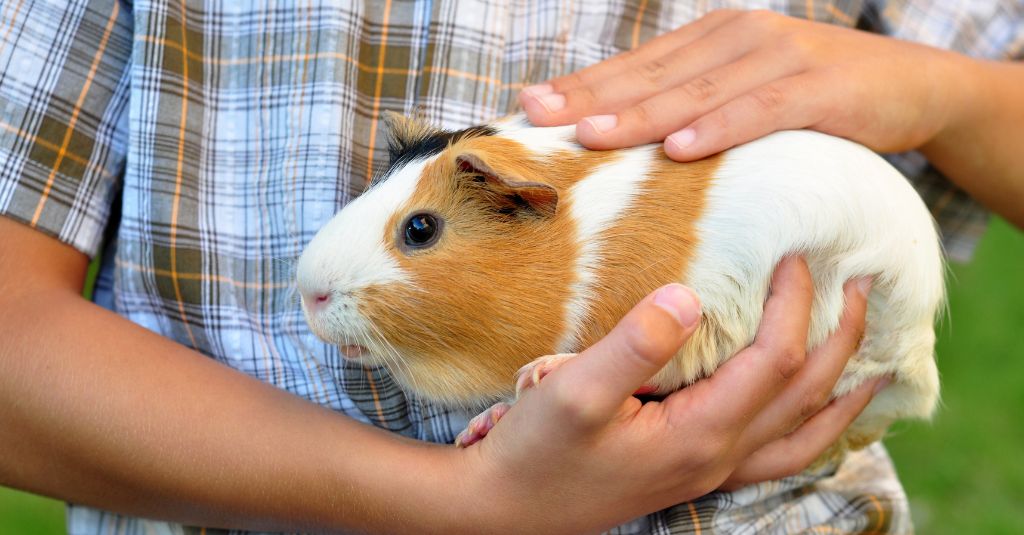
480	250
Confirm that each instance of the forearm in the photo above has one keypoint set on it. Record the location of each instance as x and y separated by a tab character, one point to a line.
981	147
100	411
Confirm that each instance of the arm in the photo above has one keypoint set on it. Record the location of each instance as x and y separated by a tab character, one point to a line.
734	76
100	411
980	146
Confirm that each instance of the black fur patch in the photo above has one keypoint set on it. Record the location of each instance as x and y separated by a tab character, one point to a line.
403	151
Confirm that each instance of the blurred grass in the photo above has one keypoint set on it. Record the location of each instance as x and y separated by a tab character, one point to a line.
963	472
23	513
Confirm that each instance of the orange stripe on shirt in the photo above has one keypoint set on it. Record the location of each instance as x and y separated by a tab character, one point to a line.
179	172
840	15
42	142
695	518
881	514
13	18
635	42
63	150
315	56
378	88
376	398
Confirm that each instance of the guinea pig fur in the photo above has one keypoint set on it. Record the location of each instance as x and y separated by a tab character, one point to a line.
480	250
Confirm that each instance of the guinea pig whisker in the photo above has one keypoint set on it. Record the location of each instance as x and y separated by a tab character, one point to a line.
392	356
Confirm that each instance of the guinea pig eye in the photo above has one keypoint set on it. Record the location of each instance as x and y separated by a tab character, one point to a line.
422	230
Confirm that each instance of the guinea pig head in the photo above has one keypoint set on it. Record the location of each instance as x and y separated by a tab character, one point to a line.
452	270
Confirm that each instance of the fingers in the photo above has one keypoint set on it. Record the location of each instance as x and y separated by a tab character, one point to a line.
640	80
745	384
666	110
811	388
566	99
793	453
590	389
785	104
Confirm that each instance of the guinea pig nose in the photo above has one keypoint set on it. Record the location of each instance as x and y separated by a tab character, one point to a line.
317	299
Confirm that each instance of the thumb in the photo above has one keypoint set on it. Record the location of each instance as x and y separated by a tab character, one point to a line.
607	373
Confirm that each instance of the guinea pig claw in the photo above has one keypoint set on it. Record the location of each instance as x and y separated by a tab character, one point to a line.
530	375
481	424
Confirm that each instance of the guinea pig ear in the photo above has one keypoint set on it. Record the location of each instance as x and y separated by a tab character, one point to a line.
513	194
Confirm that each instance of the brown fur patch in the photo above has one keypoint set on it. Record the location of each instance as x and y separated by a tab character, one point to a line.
490	296
651	245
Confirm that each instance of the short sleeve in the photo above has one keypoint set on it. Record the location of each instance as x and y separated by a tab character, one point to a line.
63	115
990	30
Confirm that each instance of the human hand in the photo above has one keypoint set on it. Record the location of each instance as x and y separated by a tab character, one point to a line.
734	76
579	447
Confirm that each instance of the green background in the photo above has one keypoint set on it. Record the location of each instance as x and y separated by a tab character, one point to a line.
963	471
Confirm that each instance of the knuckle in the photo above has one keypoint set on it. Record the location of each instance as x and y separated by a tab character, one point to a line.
582	96
571	402
720	121
641	114
701	89
638	345
707	455
769	98
796	44
811	403
569	82
652	72
762	17
789	361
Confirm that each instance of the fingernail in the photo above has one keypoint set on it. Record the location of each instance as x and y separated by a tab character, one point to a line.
680	302
538	90
551	102
882	383
602	123
683	138
864	285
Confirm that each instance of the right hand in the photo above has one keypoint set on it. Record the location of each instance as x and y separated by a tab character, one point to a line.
579	448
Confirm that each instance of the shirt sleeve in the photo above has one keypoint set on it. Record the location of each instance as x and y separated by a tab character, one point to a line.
64	90
992	29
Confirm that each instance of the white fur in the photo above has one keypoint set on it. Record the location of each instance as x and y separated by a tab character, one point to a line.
348	254
541	141
850	214
597	202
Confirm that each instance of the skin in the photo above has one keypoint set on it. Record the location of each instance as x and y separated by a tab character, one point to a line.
734	76
182	445
100	411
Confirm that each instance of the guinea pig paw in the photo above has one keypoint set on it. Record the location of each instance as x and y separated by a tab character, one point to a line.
481	424
530	375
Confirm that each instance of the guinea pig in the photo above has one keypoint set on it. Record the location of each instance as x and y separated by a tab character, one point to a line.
480	250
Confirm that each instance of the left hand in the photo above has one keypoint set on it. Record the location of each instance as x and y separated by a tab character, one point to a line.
734	76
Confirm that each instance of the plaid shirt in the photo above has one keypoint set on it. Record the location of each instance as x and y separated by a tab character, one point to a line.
204	145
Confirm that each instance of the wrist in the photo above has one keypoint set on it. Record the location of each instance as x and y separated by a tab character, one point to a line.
431	488
962	79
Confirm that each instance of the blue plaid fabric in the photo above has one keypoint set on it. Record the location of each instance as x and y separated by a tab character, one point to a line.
202	144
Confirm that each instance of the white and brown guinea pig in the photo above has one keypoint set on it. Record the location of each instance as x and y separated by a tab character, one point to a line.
480	250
